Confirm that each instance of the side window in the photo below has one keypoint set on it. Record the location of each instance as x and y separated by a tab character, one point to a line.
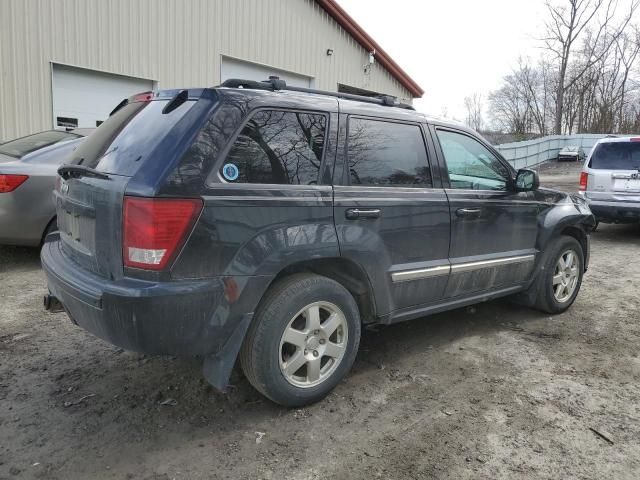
470	164
385	154
277	147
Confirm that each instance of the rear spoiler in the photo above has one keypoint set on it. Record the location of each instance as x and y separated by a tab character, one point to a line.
176	96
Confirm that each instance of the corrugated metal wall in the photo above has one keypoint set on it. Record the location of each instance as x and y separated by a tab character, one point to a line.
533	152
177	43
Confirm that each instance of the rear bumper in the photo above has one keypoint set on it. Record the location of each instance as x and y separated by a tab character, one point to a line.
187	317
615	211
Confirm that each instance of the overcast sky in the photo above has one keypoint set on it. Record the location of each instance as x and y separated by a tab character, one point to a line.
452	48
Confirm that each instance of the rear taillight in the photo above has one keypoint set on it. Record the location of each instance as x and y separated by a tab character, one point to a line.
8	183
154	229
584	179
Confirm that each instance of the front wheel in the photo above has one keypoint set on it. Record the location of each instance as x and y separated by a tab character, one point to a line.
303	340
561	275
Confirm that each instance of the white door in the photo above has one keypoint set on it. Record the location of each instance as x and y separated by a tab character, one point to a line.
84	98
234	68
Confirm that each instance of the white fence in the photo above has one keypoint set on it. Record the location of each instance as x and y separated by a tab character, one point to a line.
533	152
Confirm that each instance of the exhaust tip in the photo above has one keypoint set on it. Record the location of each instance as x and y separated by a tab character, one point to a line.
52	304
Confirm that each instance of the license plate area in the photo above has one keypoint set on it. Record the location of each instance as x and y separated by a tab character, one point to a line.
71	225
76	223
628	185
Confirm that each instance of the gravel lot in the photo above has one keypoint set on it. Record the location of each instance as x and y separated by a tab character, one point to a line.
493	391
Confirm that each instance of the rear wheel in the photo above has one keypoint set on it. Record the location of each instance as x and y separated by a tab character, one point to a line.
560	279
303	340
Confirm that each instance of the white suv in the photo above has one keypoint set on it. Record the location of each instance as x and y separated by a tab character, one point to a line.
610	180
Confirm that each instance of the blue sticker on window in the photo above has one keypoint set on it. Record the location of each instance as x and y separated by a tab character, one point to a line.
230	172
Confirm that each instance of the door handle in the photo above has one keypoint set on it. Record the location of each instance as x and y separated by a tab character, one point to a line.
468	212
355	213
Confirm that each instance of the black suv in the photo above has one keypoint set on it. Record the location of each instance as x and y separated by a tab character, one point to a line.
270	223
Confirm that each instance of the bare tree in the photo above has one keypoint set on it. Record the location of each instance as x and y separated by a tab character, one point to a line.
524	102
628	45
568	22
508	107
474	105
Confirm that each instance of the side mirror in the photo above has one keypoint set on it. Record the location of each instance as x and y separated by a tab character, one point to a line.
527	180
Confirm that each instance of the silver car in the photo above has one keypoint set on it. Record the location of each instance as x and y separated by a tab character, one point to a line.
572	153
28	171
610	180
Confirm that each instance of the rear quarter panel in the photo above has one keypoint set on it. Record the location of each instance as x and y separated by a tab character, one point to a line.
250	231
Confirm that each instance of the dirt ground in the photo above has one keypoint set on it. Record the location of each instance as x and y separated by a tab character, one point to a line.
492	391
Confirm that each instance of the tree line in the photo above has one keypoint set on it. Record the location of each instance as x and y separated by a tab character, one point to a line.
586	80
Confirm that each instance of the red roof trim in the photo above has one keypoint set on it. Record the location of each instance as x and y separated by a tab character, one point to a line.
363	38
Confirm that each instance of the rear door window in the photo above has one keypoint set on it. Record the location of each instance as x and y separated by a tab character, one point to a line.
128	137
25	145
387	154
277	147
616	156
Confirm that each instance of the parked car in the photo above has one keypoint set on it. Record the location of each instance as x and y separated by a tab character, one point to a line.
272	222
572	153
28	171
610	180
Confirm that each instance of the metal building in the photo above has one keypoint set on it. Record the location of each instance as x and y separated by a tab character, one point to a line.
67	63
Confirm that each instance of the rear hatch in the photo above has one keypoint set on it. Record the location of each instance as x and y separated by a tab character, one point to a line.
614	171
89	198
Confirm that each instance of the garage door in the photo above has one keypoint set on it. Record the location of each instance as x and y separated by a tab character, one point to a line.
234	68
84	98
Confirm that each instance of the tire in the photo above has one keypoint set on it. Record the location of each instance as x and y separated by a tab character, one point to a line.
269	361
548	300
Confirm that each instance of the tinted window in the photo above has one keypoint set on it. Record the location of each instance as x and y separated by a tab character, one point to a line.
22	146
616	156
277	147
470	164
128	137
385	154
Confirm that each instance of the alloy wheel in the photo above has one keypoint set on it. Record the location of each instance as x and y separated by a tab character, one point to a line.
313	344
566	276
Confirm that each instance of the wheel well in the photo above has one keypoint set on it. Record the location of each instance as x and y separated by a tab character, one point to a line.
346	273
578	234
46	229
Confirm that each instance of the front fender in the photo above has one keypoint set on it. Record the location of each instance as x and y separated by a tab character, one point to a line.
563	213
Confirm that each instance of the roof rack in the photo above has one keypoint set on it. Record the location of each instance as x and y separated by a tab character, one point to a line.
274	84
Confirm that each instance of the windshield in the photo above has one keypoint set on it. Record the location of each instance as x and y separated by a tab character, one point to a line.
22	146
616	156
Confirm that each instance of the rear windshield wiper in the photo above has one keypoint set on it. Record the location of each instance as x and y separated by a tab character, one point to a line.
77	171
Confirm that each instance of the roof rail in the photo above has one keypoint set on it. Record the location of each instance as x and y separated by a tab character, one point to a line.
274	84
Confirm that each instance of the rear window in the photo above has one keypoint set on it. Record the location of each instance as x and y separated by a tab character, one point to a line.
277	147
25	145
127	137
616	156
